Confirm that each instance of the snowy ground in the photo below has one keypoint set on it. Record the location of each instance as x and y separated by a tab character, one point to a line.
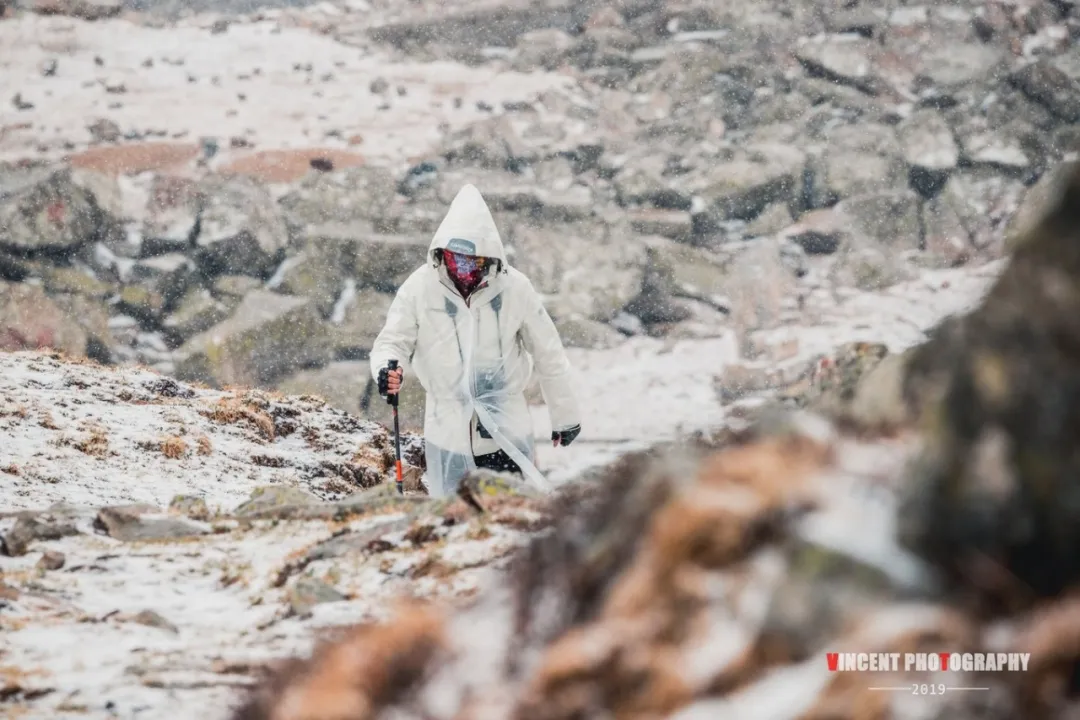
650	390
76	640
270	82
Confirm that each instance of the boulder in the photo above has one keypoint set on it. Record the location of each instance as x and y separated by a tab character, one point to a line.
753	178
996	149
45	211
172	216
868	267
888	218
858	158
1045	83
361	321
585	269
165	276
546	48
234	287
377	261
929	150
74	280
844	59
997	473
93	317
268	336
1037	200
197	311
495	144
578	331
955	66
365	198
241	229
340	383
641	181
675	224
945	239
30	319
758	284
319	271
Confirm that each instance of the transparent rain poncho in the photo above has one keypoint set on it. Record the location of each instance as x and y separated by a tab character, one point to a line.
475	359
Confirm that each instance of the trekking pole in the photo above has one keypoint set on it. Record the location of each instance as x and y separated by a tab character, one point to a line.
392	398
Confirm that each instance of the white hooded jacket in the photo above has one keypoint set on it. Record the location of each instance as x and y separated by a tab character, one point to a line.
475	358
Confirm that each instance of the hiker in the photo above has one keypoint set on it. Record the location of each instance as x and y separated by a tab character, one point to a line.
470	329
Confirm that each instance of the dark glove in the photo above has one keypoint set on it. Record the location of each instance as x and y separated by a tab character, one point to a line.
565	437
384	379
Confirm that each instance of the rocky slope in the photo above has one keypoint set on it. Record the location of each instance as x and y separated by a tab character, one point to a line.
220	518
668	169
709	579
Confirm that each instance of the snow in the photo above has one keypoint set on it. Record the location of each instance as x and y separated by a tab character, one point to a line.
649	390
284	105
46	407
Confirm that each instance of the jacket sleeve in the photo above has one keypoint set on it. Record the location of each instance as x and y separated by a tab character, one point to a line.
541	340
397	339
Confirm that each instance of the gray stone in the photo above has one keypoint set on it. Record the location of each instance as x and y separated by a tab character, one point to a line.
29	319
842	59
927	142
197	311
51	560
340	383
267	336
29	529
996	149
319	271
269	501
363	197
383	262
138	523
675	224
242	230
581	332
859	158
46	211
954	66
168	276
1045	83
889	218
361	322
753	178
592	276
869	268
307	592
235	287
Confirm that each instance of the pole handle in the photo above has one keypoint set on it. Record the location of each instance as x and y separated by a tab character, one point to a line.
392	398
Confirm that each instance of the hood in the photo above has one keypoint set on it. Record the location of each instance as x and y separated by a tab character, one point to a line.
469	228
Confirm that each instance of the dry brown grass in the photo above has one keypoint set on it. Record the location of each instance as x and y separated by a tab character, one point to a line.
95	444
18	411
203	446
368	669
173	447
47	421
230	411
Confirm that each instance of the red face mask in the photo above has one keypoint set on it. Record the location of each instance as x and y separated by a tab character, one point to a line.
465	270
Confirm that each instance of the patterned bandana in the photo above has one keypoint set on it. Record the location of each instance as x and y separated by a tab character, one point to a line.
465	270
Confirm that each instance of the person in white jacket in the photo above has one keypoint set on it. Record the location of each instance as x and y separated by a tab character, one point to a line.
471	329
